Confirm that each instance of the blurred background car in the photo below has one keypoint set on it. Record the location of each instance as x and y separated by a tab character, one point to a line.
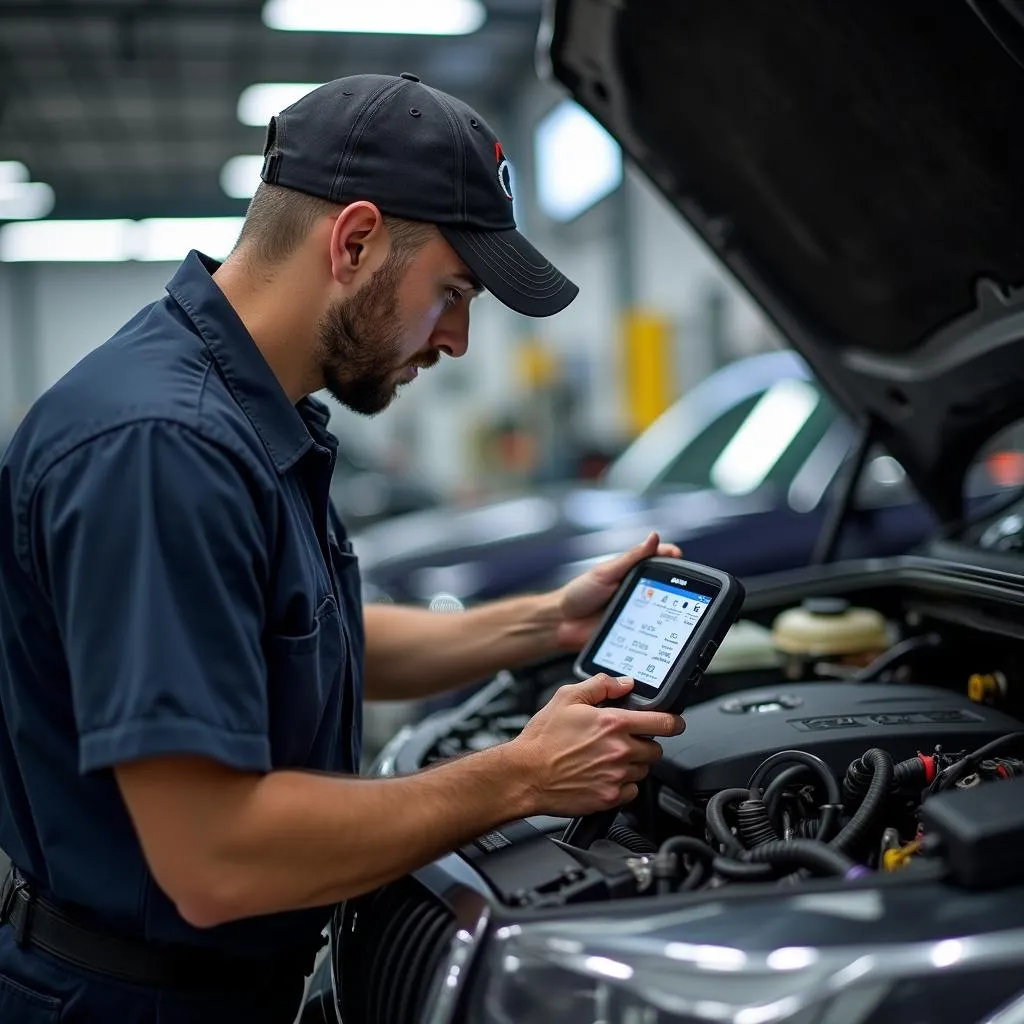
368	487
741	471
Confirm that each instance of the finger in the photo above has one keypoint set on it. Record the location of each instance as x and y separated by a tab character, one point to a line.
670	551
628	793
636	772
618	567
650	723
596	689
644	751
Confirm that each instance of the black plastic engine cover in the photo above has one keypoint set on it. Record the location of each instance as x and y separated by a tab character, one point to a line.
727	738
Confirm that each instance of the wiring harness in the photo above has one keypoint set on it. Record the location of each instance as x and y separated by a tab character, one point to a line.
795	820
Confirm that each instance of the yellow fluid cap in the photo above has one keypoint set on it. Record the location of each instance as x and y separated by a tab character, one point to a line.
829	626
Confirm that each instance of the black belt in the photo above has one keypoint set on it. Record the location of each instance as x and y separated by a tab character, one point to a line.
39	923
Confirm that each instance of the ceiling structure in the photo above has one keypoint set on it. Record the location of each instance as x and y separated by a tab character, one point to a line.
128	108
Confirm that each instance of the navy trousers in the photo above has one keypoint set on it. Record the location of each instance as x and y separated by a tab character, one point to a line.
36	988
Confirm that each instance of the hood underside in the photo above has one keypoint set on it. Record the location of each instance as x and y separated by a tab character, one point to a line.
859	166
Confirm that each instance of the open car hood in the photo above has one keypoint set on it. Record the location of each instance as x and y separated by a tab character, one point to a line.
859	166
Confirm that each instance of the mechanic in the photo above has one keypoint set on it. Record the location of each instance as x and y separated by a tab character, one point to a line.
183	647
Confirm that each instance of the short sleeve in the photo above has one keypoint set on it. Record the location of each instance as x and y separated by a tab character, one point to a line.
152	548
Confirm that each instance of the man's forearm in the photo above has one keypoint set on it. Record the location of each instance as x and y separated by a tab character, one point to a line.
303	840
413	653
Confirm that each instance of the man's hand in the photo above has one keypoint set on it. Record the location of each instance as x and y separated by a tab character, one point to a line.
582	600
578	758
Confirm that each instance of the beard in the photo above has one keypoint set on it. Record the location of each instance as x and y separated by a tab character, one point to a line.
361	343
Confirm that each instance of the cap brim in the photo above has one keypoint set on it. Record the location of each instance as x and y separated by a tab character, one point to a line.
512	270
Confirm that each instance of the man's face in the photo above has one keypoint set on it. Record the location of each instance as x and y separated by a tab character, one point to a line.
404	318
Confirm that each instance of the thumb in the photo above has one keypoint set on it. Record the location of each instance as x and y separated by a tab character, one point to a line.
618	567
600	687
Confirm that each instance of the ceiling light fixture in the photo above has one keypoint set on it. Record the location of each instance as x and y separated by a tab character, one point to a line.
240	176
75	241
117	241
25	200
169	239
578	163
12	172
259	103
394	17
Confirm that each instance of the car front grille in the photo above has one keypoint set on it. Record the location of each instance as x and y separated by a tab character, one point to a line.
387	948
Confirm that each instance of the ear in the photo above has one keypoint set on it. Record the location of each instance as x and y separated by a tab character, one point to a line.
359	242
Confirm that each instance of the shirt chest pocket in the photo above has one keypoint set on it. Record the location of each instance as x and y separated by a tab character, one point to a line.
304	686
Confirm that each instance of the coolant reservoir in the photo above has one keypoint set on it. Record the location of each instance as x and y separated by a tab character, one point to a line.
830	628
747	647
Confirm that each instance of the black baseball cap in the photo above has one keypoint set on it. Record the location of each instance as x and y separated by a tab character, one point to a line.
419	154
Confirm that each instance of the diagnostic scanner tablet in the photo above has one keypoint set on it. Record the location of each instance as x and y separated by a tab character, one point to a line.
662	629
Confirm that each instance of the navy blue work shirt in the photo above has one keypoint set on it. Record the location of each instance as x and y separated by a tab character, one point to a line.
173	580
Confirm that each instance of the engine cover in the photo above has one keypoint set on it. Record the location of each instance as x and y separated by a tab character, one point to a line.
727	738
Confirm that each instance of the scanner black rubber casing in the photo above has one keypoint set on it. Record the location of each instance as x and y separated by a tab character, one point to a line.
677	688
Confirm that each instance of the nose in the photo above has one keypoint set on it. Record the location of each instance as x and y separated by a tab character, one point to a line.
451	335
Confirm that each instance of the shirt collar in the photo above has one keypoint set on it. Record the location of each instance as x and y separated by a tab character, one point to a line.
287	431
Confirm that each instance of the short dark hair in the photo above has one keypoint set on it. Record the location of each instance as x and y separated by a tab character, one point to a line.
280	219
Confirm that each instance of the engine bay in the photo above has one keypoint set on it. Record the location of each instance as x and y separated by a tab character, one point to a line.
827	726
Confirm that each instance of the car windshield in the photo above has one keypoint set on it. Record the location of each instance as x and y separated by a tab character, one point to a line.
764	438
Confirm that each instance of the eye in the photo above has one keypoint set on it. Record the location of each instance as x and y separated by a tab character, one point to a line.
452	297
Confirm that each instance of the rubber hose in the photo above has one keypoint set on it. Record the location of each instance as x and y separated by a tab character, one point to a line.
714	815
686	844
859	826
742	871
805	853
907	775
755	826
799	757
807	828
910	774
830	813
630	839
780	782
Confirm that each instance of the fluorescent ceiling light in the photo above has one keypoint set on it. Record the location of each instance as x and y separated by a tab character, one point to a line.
259	103
12	172
395	17
240	176
117	241
170	239
76	241
764	436
25	200
578	162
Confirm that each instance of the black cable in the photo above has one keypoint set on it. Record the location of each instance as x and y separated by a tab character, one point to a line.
830	811
780	782
894	655
806	853
741	871
667	862
992	746
714	815
948	777
630	839
859	826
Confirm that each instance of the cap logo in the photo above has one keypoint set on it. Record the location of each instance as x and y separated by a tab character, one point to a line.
504	171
